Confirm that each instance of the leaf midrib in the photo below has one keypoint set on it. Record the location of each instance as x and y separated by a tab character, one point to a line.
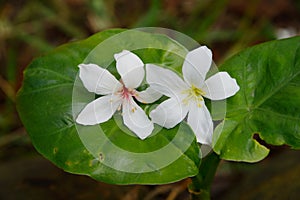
47	88
53	72
278	114
282	86
275	91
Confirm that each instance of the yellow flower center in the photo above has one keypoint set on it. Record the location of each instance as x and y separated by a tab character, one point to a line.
193	94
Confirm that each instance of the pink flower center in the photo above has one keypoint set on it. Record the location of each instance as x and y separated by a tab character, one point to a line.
126	93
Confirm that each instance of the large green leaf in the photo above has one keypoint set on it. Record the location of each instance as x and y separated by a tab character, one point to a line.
52	95
267	104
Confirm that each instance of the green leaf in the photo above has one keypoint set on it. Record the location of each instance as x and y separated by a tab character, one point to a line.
52	95
268	103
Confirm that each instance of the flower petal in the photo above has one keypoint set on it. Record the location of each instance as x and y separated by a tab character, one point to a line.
136	119
131	68
169	113
99	110
196	65
201	122
165	81
148	96
220	86
98	80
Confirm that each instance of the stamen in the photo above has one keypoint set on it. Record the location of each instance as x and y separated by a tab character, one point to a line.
119	108
126	92
193	94
133	109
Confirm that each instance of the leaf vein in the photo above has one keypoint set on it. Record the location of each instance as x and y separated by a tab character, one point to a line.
53	72
278	114
47	88
276	90
53	133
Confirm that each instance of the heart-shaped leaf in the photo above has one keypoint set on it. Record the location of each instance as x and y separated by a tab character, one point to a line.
52	95
268	103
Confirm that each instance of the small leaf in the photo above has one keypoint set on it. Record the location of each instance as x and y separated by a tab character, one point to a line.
268	103
52	95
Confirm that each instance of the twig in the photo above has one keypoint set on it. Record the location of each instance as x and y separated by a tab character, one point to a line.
7	89
132	194
178	189
158	190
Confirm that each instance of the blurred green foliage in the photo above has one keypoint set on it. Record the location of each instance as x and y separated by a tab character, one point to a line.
30	28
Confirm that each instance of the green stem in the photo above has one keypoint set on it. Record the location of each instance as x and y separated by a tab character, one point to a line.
201	184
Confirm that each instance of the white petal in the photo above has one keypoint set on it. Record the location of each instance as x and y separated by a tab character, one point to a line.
136	119
220	86
131	68
165	81
99	110
169	113
98	80
201	122
148	96
196	66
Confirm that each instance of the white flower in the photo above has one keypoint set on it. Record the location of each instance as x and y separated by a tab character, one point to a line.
117	94
186	96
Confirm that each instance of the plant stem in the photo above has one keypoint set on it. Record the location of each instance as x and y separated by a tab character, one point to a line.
201	184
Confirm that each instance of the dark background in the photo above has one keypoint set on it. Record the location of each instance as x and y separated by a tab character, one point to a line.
29	28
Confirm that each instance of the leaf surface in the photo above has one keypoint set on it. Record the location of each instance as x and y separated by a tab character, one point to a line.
52	96
268	103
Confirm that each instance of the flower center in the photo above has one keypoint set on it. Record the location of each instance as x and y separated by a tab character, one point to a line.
126	92
193	94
